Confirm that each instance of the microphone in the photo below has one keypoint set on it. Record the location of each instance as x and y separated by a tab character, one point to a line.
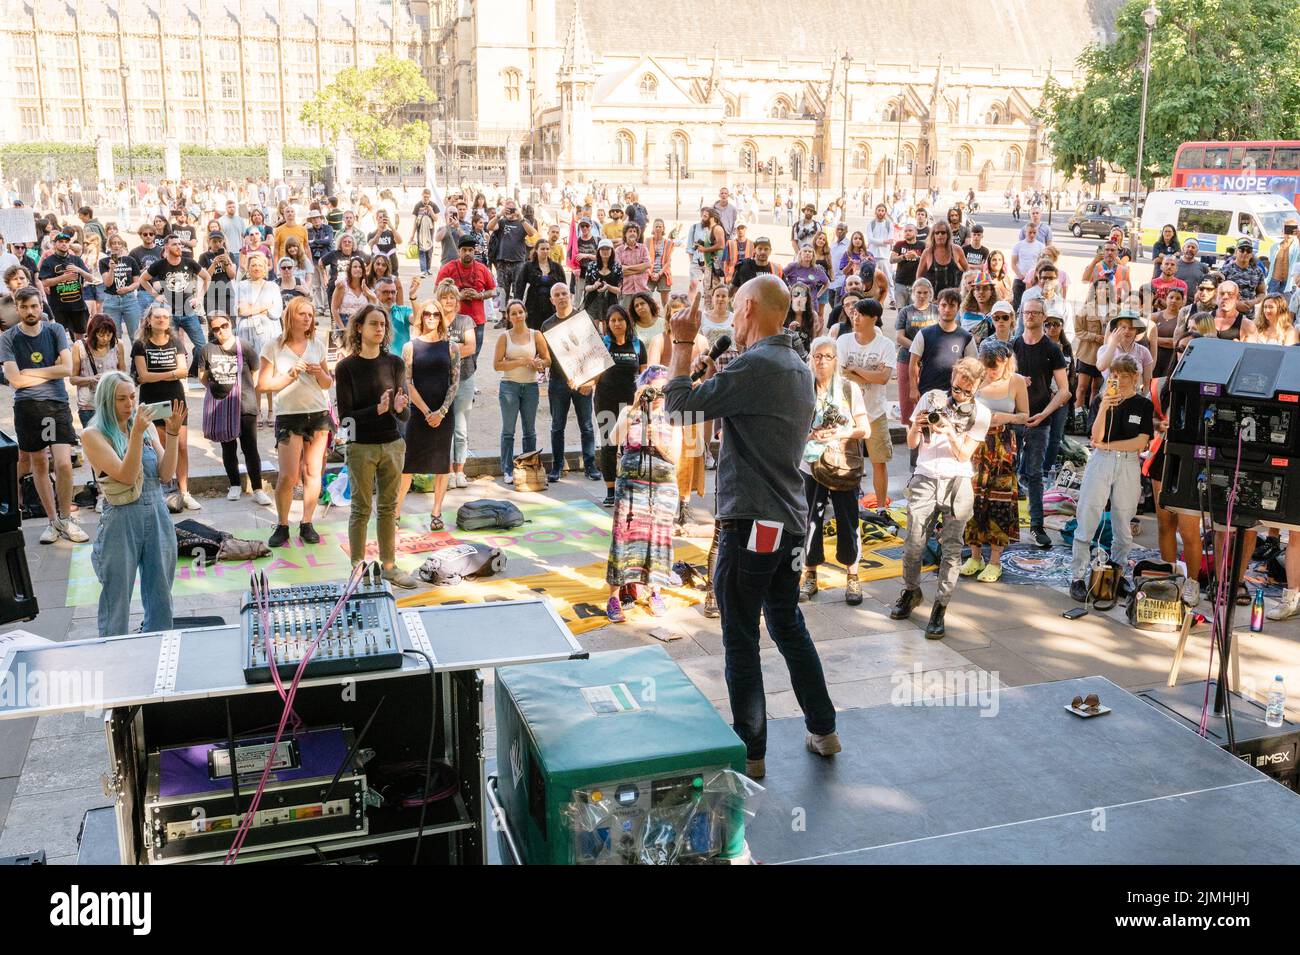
720	346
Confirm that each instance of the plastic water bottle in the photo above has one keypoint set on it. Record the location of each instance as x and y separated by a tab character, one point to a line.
1276	702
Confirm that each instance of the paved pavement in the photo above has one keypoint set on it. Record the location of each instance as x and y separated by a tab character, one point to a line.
49	768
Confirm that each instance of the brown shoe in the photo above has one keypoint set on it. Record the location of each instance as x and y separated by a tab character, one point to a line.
853	591
710	605
808	588
755	768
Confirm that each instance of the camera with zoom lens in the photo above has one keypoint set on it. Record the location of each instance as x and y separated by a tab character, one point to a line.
651	395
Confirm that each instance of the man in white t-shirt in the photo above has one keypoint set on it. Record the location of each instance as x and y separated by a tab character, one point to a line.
941	484
1024	259
866	358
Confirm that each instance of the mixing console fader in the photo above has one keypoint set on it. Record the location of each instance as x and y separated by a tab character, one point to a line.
283	625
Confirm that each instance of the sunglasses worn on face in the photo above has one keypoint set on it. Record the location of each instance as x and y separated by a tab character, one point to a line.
958	390
217	328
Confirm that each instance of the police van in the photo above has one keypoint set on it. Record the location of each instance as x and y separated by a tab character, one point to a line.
1218	220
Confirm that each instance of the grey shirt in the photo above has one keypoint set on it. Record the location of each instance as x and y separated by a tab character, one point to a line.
765	400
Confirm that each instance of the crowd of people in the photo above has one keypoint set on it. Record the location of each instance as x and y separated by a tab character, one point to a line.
292	313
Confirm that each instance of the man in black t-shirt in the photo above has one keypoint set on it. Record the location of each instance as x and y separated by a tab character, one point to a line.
180	226
760	264
220	295
177	281
1039	360
64	277
511	229
906	256
561	395
977	253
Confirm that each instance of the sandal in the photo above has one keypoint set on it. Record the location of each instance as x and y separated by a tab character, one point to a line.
435	523
1243	596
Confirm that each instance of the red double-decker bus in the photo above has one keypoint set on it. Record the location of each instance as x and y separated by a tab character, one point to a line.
1262	166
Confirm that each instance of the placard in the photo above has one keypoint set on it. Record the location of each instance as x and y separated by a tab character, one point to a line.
577	346
18	225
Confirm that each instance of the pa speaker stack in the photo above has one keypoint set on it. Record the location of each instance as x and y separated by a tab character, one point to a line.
17	599
1234	422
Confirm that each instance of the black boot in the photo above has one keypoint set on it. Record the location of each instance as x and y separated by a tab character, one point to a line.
934	629
906	602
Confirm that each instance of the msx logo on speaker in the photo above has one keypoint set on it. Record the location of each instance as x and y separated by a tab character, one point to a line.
100	909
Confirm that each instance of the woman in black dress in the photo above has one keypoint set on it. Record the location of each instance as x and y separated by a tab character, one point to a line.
604	278
534	282
615	388
161	367
433	369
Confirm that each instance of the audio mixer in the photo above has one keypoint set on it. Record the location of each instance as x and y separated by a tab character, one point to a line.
364	635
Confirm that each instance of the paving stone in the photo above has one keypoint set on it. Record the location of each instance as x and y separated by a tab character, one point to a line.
60	763
48	821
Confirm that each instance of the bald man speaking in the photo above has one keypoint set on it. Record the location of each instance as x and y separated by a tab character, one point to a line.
765	400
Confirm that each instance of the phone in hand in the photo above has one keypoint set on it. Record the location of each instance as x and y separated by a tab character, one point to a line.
157	410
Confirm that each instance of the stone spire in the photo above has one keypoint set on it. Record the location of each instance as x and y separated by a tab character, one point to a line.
715	82
577	53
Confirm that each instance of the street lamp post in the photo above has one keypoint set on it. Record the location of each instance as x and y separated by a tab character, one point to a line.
443	62
125	71
844	129
1149	16
898	138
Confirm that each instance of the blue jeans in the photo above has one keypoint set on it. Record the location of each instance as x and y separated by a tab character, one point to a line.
1057	432
426	260
478	338
460	406
518	400
124	310
1033	445
559	397
192	326
135	540
746	583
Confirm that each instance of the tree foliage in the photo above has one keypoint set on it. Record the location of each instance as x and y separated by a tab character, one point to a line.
370	107
1220	69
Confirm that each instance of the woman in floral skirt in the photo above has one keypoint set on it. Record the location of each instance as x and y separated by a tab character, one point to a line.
641	547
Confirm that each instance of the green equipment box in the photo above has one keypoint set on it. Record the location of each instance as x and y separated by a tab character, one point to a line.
618	759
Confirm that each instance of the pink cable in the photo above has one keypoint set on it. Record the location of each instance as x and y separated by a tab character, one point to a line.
263	595
246	824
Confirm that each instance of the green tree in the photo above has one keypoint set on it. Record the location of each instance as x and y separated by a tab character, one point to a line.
1220	69
370	107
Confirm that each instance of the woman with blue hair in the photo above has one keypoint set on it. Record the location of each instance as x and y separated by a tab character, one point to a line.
135	534
646	497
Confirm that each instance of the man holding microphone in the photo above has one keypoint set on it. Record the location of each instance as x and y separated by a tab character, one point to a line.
765	400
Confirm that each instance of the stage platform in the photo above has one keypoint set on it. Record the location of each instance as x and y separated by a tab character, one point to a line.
1034	784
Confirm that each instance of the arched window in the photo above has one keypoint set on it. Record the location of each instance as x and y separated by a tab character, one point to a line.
1011	160
681	146
861	156
908	159
964	159
512	78
994	116
649	86
781	108
890	113
624	148
748	156
730	110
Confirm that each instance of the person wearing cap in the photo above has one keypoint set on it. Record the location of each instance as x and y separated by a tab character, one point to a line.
220	294
1248	274
1231	319
320	239
582	249
760	264
1122	339
64	276
1106	264
475	282
802	232
1041	363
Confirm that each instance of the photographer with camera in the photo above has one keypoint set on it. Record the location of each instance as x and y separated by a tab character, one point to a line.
946	429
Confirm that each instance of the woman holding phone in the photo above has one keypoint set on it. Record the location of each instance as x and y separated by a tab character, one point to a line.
135	536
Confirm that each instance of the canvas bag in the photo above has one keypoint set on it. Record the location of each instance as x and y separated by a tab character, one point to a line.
840	467
529	472
485	514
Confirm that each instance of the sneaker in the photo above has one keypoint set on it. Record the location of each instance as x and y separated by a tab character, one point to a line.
685	515
657	606
70	531
1040	537
1079	591
553	476
507	479
827	745
233	493
1284	609
755	768
50	534
307	534
991	573
974	564
934	629
609	498
709	463
261	497
461	480
853	591
174	503
279	537
190	504
808	586
99	505
593	474
905	604
614	610
710	605
400	578
1192	592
